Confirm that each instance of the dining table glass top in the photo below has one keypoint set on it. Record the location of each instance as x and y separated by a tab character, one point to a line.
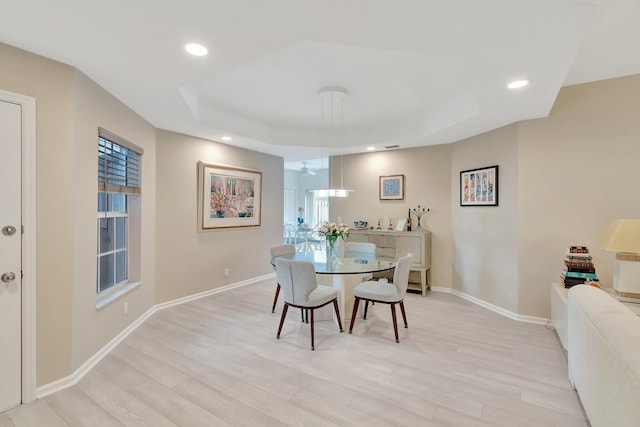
351	263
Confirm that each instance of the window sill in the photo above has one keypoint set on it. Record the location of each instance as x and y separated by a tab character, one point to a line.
104	300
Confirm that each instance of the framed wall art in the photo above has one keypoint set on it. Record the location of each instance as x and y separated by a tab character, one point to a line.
228	196
392	187
479	187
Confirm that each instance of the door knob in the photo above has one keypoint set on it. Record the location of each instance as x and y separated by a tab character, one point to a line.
9	230
8	277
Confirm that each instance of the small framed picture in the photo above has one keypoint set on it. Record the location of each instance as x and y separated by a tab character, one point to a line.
392	187
479	187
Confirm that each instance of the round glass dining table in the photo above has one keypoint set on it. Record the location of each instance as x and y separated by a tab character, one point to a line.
345	273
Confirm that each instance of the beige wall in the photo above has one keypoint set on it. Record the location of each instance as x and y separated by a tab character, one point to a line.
485	239
428	184
69	109
562	180
189	261
51	83
578	171
92	328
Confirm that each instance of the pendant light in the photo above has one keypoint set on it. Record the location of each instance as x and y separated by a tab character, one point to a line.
333	104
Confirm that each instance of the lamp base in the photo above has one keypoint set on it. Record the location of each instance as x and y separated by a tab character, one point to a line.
626	275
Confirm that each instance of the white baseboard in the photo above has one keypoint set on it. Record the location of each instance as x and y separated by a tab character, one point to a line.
79	373
502	311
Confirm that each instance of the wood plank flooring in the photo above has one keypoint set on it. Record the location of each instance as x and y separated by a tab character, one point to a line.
216	361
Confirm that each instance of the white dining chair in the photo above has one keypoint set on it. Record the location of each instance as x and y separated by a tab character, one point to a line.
290	234
275	252
384	292
300	289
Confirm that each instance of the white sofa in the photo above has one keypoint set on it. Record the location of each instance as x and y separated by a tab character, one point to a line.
604	357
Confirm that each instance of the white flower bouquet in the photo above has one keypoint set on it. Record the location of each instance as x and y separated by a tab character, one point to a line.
332	231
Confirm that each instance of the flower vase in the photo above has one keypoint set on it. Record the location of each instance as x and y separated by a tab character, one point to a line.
332	248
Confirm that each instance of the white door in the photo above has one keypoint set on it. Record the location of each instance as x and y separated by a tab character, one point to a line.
10	256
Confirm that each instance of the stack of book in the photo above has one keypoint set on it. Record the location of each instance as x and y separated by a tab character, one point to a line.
578	267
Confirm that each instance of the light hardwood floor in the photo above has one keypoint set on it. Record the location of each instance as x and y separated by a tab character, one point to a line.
216	361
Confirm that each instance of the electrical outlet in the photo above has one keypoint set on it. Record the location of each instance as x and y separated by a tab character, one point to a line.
125	308
226	272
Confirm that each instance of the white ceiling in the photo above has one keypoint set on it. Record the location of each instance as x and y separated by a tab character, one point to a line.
417	72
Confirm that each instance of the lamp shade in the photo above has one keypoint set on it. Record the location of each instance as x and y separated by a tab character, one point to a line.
623	235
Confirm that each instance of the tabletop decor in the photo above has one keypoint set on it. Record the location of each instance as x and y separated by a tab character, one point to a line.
332	231
418	213
228	196
391	187
479	187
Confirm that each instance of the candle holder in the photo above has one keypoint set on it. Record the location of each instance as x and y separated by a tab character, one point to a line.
418	212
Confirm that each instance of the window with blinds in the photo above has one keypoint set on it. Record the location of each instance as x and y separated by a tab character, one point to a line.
119	178
119	165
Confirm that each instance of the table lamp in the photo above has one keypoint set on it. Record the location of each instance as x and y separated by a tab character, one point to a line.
623	238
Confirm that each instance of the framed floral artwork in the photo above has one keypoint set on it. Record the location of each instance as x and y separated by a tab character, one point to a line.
228	196
479	187
392	187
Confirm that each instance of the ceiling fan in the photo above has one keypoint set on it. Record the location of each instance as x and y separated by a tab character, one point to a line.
304	170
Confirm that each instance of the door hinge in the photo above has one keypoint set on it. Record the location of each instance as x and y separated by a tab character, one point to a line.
22	229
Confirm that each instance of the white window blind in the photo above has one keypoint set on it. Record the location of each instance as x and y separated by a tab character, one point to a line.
119	164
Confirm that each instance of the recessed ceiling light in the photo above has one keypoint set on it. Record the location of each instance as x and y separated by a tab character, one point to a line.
516	84
196	49
371	148
226	138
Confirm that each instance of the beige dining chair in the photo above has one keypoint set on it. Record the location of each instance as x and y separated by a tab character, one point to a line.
382	291
275	252
369	248
300	289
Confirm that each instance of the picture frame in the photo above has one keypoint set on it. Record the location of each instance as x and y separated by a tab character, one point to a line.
391	187
228	196
479	187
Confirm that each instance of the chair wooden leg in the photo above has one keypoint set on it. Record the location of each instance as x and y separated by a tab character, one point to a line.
335	308
312	337
395	322
275	299
404	315
302	315
366	307
353	314
284	314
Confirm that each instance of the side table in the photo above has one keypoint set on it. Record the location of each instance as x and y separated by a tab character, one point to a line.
559	311
559	308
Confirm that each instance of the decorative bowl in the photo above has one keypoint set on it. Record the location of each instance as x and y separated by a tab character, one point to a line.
360	224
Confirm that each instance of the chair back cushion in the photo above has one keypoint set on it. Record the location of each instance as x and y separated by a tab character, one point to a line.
297	280
282	250
401	275
360	247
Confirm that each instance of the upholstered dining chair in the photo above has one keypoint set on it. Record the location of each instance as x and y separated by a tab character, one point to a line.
300	289
275	252
386	293
369	248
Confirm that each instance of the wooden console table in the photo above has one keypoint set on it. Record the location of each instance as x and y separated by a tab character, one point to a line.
397	244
